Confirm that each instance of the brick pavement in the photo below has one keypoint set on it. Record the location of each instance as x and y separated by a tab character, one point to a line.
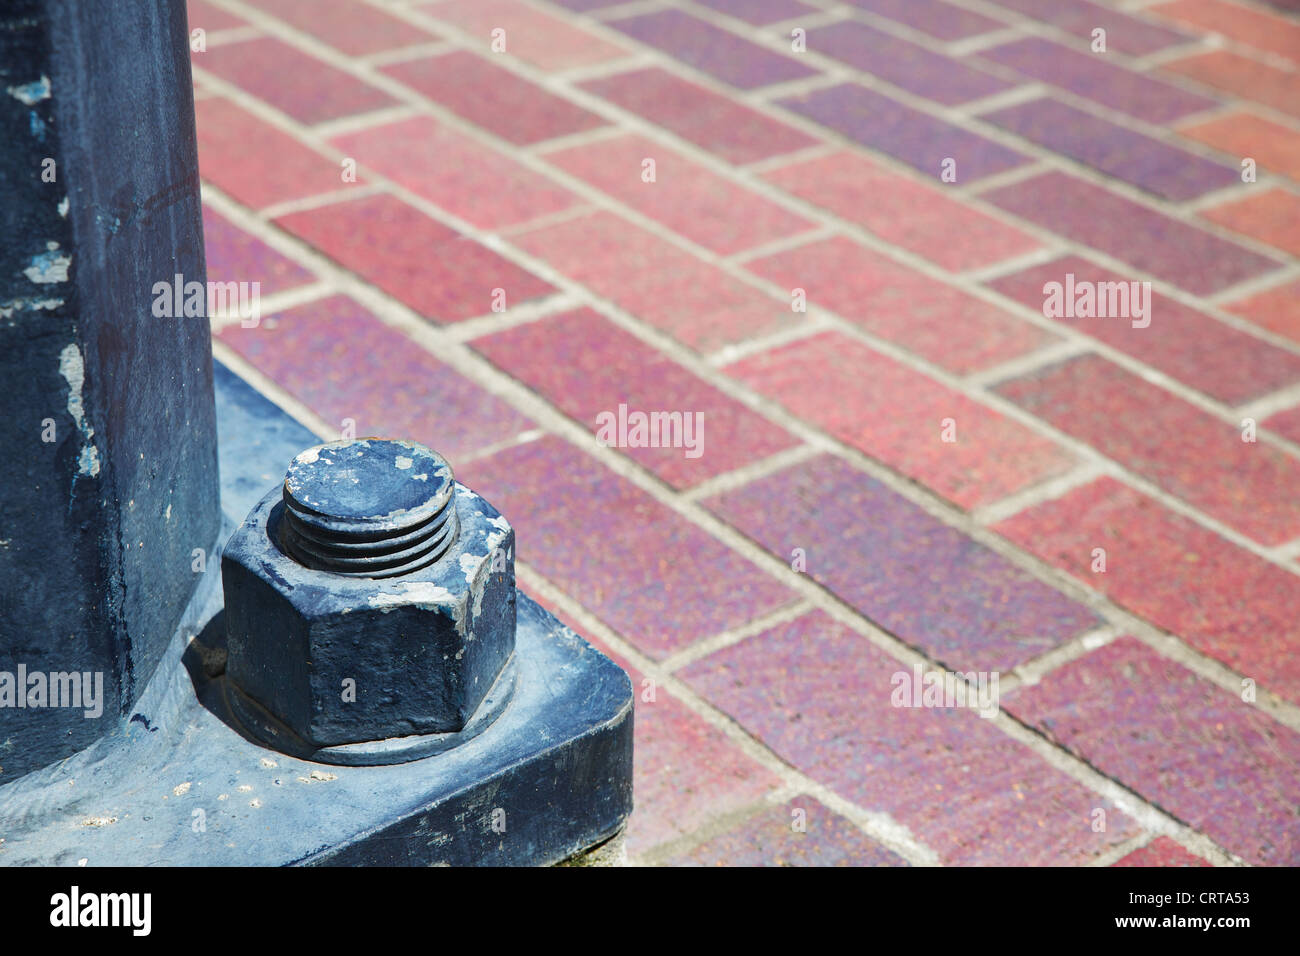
826	229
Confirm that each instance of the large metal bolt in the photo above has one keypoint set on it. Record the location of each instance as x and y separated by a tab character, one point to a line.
370	607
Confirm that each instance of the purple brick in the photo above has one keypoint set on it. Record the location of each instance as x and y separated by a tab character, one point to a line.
1185	344
1119	152
712	50
1124	33
923	581
1148	240
913	137
760	11
233	255
905	65
1091	76
803	832
581	6
342	362
1189	746
643	569
819	695
943	21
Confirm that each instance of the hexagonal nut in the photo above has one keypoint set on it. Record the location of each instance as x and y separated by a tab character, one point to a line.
341	659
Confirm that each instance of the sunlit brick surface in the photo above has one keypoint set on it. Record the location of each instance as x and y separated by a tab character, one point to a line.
743	314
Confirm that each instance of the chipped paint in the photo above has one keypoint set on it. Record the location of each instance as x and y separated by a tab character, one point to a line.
403	463
29	94
27	305
318	776
50	266
74	371
181	789
419	593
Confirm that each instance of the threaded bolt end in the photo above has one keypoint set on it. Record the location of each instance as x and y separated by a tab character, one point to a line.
368	507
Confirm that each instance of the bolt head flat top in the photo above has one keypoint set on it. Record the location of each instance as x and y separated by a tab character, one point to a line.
368	482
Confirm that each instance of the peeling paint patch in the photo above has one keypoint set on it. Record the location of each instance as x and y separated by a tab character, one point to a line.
99	821
74	371
49	267
181	789
31	93
63	207
403	463
421	593
318	776
27	305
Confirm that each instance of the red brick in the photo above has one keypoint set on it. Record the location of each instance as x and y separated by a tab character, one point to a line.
685	772
1286	424
586	365
895	415
1223	600
431	268
456	172
1277	309
256	163
657	282
1185	344
546	41
233	255
646	571
342	363
1243	77
902	211
1168	441
906	307
302	86
1263	31
820	695
357	29
685	196
489	96
1161	851
801	832
710	120
1188	746
1276	148
210	18
1272	217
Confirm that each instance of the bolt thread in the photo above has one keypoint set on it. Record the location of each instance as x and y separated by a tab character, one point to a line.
374	542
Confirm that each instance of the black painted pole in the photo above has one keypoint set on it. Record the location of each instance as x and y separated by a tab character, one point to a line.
460	722
108	476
